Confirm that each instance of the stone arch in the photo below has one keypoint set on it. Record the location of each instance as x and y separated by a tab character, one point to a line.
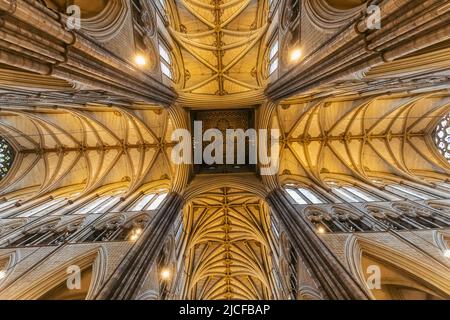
332	15
149	296
403	275
7	263
52	286
100	19
442	241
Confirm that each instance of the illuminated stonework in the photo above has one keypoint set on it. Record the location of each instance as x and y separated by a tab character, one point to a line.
442	137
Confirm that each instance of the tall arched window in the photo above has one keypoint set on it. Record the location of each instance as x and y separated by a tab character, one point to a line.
166	61
6	157
44	208
409	193
100	205
150	201
303	195
442	137
273	56
352	194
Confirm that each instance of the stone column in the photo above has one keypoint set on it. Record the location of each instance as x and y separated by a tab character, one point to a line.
127	279
335	281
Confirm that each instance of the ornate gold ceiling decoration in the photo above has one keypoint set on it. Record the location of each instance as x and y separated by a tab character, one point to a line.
220	48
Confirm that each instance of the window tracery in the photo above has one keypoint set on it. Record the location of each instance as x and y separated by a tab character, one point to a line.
407	217
48	234
442	137
116	229
6	157
338	220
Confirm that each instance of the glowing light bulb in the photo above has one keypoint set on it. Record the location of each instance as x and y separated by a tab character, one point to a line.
140	60
296	54
134	237
447	253
135	234
2	274
321	230
165	274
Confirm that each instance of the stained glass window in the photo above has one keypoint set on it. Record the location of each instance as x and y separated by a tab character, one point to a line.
442	138
6	157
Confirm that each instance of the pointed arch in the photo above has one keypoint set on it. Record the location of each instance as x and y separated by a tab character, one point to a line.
50	287
403	273
7	263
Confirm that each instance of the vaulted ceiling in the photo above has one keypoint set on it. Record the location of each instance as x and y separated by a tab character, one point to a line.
228	254
220	49
364	139
86	147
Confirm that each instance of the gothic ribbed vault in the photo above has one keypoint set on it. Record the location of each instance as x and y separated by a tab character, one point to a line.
366	139
220	45
86	148
228	253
